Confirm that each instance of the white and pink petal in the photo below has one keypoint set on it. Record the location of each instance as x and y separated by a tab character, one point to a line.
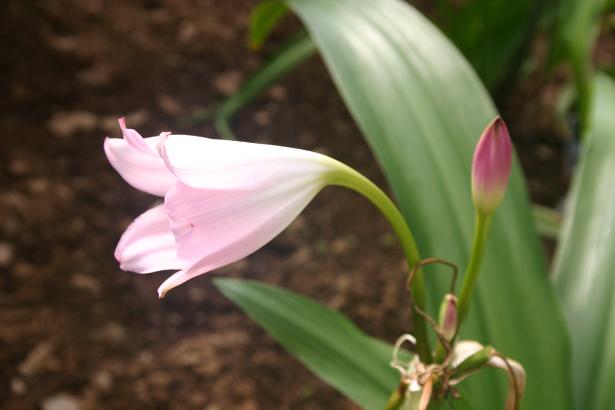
138	161
224	232
232	165
148	244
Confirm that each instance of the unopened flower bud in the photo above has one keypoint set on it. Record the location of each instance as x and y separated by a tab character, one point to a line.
491	166
448	316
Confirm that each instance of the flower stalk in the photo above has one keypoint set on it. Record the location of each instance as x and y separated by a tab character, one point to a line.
349	178
481	230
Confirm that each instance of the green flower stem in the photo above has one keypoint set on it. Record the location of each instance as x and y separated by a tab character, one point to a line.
397	398
474	362
440	353
349	178
481	230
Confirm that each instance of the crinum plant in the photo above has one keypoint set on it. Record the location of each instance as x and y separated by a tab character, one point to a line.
223	200
421	108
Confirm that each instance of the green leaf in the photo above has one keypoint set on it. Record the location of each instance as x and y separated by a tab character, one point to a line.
490	33
422	108
263	19
490	39
577	29
297	50
585	261
548	221
324	340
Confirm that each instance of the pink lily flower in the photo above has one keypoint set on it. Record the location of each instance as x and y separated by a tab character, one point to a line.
491	166
223	200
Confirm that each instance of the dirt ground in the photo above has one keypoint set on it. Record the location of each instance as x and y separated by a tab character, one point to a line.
78	333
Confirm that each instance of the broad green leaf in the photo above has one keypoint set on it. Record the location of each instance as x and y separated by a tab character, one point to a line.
490	33
297	50
263	19
491	39
422	108
577	29
324	340
585	261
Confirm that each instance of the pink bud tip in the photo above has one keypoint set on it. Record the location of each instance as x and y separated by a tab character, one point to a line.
491	166
448	316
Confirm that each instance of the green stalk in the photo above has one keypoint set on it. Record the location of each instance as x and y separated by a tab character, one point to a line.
295	52
481	230
474	362
396	400
349	178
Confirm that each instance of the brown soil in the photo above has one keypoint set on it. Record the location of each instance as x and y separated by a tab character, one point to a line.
74	328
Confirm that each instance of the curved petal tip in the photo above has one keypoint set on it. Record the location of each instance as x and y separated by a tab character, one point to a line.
168	284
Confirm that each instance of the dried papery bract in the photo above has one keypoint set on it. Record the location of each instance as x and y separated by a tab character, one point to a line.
417	380
416	389
422	383
516	379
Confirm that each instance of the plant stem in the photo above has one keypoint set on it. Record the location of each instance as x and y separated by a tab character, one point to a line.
481	230
349	178
397	398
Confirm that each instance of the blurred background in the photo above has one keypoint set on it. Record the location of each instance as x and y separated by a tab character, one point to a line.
78	333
